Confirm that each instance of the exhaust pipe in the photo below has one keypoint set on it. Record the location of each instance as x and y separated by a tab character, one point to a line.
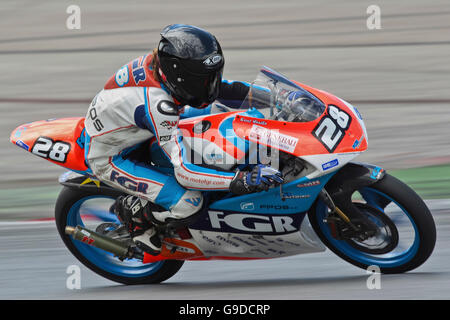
92	238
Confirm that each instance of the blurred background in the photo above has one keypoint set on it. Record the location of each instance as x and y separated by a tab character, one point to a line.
398	76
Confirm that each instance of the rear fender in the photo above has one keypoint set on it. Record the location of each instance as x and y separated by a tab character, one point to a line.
60	141
87	183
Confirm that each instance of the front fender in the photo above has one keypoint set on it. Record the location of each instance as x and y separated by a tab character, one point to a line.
353	176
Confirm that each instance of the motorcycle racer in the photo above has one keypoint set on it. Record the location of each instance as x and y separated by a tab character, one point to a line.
144	100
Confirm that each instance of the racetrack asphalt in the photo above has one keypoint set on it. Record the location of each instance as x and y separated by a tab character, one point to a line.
34	265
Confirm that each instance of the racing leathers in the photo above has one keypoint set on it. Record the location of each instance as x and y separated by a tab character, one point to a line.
132	108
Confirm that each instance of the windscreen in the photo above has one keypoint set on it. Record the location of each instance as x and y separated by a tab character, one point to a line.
278	98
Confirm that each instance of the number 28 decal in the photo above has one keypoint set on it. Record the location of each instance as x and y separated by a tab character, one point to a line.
332	127
53	150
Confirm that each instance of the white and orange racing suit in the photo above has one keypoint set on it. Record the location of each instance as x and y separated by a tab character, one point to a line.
132	108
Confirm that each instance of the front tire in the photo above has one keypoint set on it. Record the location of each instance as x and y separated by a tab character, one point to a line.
408	211
76	206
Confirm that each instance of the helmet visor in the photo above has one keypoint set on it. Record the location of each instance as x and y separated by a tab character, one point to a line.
197	89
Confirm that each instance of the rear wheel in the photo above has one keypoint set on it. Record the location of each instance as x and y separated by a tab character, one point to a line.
406	231
93	211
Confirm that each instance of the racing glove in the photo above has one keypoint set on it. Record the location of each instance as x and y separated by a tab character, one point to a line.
261	178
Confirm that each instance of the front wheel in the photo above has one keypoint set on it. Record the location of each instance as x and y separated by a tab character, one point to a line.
407	232
93	210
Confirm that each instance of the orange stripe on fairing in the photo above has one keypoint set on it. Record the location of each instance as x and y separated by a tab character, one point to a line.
167	254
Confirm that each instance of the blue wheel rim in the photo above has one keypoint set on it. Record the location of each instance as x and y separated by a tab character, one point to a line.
390	260
104	260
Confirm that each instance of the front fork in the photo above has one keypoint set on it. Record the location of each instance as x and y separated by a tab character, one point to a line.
343	226
325	197
345	219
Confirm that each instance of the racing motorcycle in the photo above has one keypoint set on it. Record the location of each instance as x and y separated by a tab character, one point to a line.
361	213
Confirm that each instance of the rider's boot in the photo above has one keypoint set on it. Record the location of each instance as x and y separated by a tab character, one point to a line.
135	214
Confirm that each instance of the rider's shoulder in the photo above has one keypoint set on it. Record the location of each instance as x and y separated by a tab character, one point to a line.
136	73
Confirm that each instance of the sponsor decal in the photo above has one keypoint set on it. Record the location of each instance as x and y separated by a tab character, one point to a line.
247	206
209	240
81	140
194	201
167	108
201	126
214	157
169	124
357	113
213	60
289	195
136	207
227	241
244	241
122	76
201	181
54	150
88	240
138	72
309	184
87	237
330	164
181	249
332	127
22	144
96	122
89	180
254	223
273	138
260	122
276	206
128	183
94	101
246	120
19	132
376	173
164	138
358	142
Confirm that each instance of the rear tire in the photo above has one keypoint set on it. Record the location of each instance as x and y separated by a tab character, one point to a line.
414	208
68	199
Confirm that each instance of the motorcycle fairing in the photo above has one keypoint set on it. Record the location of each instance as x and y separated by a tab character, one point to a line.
219	245
297	138
60	141
292	198
213	135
